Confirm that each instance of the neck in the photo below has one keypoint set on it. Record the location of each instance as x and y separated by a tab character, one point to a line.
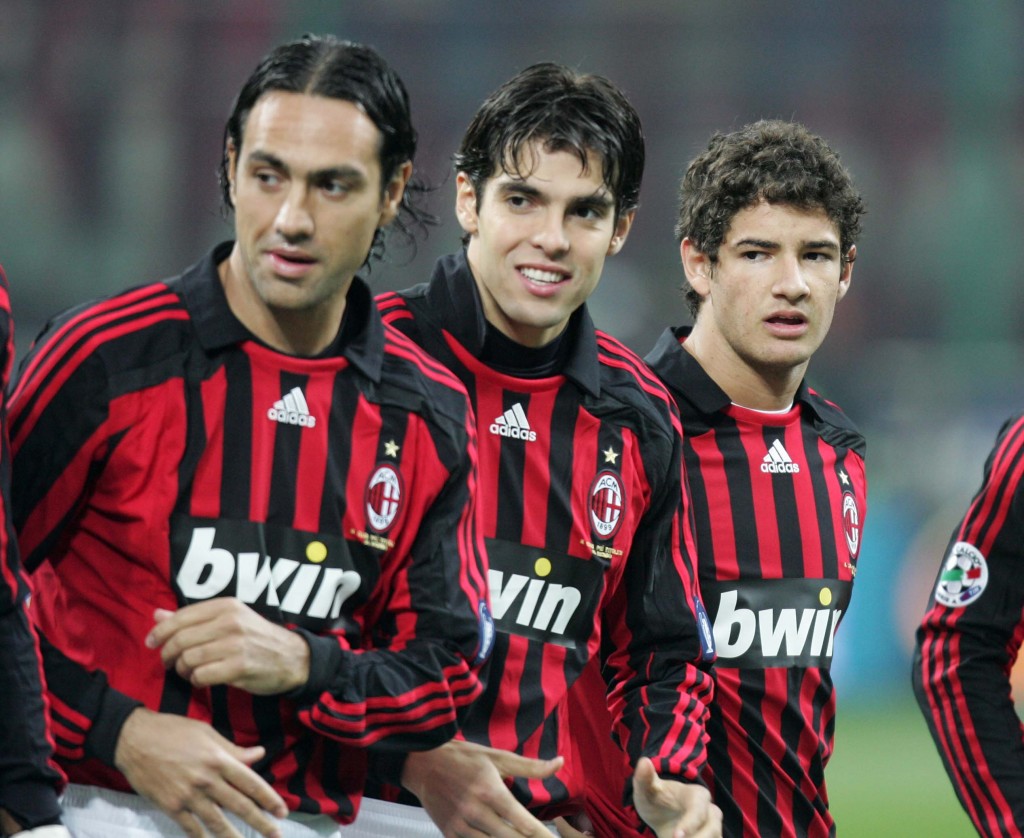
304	332
759	388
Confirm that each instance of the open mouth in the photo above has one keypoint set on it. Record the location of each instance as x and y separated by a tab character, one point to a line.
543	277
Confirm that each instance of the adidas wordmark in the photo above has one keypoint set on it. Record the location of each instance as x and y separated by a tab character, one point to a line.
778	461
513	424
291	409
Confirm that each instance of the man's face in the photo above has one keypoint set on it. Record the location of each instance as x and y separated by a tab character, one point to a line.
769	300
537	244
306	185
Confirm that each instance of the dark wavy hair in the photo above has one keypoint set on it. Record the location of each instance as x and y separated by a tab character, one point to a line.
567	111
323	65
770	160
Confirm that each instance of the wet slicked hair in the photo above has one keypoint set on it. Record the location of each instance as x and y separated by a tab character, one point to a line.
770	160
565	111
323	65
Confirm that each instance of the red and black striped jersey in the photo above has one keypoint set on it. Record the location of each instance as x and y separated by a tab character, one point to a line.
163	456
29	779
779	503
588	541
969	640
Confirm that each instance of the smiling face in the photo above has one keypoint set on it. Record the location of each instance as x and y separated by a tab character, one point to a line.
537	243
767	303
306	186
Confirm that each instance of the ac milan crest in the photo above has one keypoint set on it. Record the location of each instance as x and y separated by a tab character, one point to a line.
383	497
607	503
851	524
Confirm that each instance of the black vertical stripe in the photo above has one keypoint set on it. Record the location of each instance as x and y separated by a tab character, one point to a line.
511	471
284	473
562	465
236	482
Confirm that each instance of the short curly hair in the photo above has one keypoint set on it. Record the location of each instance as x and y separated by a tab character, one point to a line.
769	160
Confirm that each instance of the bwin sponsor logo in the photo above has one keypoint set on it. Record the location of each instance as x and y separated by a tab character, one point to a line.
779	632
778	461
293	587
291	409
539	604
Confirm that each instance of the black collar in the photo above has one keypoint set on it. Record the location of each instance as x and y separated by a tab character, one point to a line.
454	302
682	374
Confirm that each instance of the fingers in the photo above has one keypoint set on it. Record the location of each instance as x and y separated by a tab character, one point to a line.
258	793
514	765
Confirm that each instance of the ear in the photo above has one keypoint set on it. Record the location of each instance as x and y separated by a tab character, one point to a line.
696	266
622	228
232	154
847	273
393	193
466	210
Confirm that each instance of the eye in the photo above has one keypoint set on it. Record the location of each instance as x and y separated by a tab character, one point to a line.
817	256
753	255
335	188
517	202
267	177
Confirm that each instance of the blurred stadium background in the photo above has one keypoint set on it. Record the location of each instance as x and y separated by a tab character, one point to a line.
111	117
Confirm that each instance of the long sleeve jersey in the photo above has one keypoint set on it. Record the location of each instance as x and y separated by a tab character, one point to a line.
968	643
29	779
779	502
164	456
588	540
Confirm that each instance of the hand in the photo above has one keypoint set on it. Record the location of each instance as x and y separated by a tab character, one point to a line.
673	809
194	775
462	788
223	641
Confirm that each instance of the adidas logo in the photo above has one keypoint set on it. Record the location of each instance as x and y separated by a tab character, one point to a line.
778	461
291	409
513	423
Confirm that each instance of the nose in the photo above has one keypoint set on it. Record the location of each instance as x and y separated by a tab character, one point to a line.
294	222
790	281
550	234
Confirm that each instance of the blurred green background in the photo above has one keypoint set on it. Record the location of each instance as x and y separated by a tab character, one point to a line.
111	121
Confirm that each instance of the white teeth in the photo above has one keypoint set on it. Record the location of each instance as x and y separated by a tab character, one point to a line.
537	275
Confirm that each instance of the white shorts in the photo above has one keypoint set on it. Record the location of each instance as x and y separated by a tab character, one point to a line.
94	812
381	819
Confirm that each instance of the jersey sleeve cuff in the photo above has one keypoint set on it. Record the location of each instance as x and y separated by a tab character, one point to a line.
325	661
101	741
31	803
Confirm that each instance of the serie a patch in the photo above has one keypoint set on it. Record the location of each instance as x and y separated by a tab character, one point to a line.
963	577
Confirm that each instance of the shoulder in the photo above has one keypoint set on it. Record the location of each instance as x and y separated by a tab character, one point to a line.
628	381
833	425
625	377
116	333
409	369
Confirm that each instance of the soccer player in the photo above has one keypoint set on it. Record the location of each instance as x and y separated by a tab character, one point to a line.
767	225
580	469
247	504
29	779
969	640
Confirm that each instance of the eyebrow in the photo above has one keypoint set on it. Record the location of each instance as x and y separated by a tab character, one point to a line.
339	172
599	200
822	244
